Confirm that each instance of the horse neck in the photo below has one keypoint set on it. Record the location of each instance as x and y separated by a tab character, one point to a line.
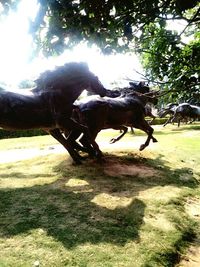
70	91
144	100
74	92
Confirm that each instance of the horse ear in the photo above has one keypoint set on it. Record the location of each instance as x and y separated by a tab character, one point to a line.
142	83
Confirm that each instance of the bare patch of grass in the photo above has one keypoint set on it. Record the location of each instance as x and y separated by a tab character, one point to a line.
192	207
192	258
135	170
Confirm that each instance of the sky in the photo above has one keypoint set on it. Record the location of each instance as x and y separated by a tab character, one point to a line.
16	51
16	48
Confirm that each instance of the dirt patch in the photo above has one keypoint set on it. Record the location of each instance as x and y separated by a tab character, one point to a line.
159	221
118	169
192	258
192	207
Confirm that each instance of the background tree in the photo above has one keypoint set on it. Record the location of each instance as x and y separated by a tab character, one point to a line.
119	26
25	84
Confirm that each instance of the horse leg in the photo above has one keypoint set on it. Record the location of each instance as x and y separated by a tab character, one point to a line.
144	126
68	125
95	121
192	120
153	118
132	130
170	119
72	137
91	145
60	138
124	131
175	118
84	141
74	126
88	143
87	146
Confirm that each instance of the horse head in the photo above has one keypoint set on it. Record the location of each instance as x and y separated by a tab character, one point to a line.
145	95
140	87
151	97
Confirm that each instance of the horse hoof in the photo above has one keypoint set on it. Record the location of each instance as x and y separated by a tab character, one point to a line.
155	140
112	141
142	147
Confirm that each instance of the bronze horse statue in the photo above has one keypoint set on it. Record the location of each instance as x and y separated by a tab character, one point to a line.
49	105
184	112
117	113
168	110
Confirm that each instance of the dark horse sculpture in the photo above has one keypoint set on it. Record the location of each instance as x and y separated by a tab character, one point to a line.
117	113
180	112
49	105
168	110
186	111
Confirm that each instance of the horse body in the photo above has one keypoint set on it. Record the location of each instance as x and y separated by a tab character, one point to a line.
180	112
168	110
114	112
117	113
186	111
49	106
18	112
123	111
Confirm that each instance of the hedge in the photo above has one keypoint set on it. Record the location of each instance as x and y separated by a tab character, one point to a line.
25	133
159	121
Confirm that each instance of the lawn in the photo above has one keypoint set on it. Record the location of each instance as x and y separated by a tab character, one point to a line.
137	209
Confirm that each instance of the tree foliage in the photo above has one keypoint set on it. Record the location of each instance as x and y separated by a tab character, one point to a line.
130	25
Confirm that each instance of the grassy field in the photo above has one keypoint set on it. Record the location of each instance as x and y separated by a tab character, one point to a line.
138	209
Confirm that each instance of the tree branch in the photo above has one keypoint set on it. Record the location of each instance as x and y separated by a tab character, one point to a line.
190	21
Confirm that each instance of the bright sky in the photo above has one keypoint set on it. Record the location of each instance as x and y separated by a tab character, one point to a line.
16	47
16	52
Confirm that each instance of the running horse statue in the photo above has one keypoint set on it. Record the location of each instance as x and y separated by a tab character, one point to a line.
49	105
186	111
180	112
168	110
117	113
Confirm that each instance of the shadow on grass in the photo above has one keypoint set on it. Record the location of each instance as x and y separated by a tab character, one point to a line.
68	217
70	214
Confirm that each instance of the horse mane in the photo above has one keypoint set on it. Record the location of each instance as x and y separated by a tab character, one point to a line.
134	91
63	76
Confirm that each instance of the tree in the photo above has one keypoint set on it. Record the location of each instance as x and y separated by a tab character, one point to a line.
26	84
119	26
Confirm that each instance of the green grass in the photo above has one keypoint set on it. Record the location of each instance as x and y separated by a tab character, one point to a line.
130	211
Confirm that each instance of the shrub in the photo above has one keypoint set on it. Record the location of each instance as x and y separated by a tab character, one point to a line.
25	133
159	121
